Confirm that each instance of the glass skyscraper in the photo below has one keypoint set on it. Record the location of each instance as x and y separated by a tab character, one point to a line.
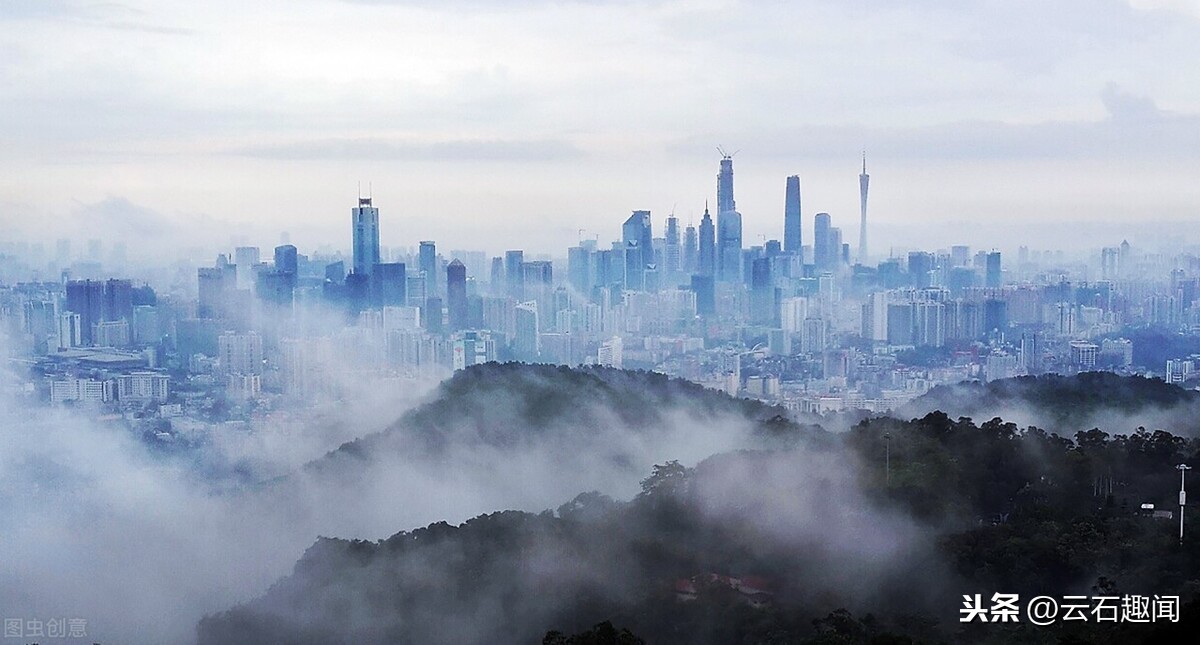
366	236
791	216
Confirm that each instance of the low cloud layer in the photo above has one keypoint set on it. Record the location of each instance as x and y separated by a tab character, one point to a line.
142	544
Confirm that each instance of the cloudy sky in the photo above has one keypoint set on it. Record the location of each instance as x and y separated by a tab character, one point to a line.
493	125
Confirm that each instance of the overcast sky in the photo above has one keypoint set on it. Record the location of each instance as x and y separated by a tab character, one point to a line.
514	124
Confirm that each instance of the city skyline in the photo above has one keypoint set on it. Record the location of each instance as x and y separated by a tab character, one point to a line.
439	322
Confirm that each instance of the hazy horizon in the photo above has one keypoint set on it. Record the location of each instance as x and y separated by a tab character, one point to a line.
489	128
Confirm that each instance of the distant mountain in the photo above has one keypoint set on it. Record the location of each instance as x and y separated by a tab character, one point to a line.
1067	404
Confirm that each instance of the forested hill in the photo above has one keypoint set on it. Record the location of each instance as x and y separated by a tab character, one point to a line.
1066	404
523	437
510	405
872	538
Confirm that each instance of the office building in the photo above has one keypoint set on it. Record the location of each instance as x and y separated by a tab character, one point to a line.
514	282
527	342
427	264
245	259
992	276
690	250
638	242
792	236
86	298
389	285
729	226
287	262
239	353
579	269
824	256
456	295
707	264
764	295
365	222
672	262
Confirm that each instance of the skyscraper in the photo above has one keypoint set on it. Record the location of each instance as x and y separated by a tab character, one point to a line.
427	264
240	353
824	257
708	246
960	256
791	216
725	185
335	272
764	296
274	288
214	285
690	243
702	285
414	290
365	220
538	275
992	276
456	294
513	279
389	285
729	246
287	262
118	300
497	273
672	256
863	180
920	268
605	270
246	258
526	344
639	248
86	298
579	269
729	226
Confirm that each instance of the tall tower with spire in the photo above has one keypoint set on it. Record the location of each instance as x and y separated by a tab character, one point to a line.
729	225
725	185
365	223
708	245
863	180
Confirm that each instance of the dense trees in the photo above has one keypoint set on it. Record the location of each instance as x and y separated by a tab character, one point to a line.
602	634
807	542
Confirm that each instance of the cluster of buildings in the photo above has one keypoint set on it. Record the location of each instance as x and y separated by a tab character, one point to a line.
808	322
